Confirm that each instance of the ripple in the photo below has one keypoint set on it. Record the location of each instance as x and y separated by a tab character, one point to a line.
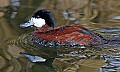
112	65
109	30
2	60
25	40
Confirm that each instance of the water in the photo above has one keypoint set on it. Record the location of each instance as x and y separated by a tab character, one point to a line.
101	58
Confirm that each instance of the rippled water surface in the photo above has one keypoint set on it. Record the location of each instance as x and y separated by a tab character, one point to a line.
99	18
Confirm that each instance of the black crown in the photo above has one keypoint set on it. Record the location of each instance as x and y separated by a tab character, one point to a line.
45	14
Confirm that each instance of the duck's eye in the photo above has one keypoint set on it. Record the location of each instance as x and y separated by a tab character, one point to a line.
38	16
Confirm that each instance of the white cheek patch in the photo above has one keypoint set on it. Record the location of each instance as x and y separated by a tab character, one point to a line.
38	22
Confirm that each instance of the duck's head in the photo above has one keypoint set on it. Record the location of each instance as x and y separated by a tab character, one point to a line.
40	18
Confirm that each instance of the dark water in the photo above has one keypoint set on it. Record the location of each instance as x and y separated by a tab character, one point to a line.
101	58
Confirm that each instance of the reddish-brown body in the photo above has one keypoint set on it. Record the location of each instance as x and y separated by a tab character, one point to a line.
72	34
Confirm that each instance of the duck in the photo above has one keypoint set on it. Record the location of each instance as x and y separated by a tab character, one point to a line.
65	35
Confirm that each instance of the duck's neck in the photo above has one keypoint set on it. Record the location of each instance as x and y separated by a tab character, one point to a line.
43	28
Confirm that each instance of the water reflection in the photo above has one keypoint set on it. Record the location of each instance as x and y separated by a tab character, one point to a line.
113	64
14	39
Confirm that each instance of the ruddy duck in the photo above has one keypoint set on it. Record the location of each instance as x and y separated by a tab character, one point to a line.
63	35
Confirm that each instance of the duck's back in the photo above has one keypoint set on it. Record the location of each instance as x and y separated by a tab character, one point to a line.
68	35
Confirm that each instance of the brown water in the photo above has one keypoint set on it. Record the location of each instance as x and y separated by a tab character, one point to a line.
98	18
